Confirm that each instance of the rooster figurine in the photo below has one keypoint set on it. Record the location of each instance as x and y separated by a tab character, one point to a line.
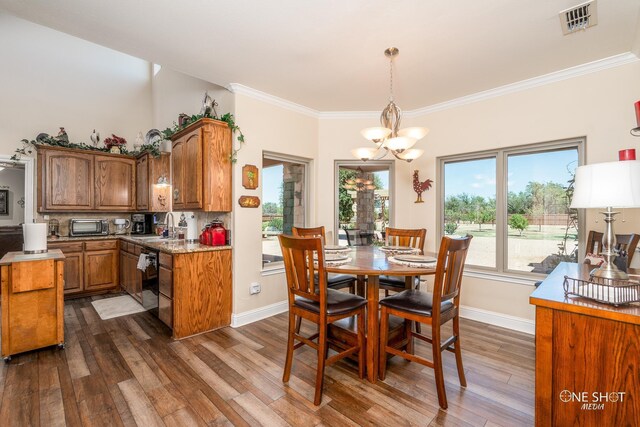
420	187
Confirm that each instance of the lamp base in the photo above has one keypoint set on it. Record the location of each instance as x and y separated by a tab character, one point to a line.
609	271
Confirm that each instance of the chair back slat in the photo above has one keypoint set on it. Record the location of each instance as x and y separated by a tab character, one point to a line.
413	238
298	254
449	269
624	242
309	232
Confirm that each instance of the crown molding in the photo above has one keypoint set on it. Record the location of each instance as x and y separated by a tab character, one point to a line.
238	88
557	76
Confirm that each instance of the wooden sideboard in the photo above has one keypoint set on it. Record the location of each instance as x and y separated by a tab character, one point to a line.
587	356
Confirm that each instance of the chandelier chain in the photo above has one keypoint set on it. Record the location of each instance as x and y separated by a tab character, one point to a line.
391	79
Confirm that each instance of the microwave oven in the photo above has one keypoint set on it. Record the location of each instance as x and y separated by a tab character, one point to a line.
88	227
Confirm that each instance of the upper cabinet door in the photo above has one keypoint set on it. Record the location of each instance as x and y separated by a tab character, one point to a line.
160	197
142	183
201	167
115	183
65	181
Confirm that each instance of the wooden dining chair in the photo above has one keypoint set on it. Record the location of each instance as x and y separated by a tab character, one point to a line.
335	281
317	303
433	309
413	238
624	242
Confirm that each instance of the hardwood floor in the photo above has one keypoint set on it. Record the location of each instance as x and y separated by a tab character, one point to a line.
127	371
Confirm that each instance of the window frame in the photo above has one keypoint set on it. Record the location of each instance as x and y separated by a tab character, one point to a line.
501	156
336	181
278	267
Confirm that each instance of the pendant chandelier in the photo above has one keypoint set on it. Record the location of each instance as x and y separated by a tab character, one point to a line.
359	183
398	142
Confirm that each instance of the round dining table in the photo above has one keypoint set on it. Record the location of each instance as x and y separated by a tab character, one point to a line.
371	262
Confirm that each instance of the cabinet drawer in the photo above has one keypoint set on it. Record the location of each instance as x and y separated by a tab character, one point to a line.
98	245
137	249
166	260
165	279
165	310
67	247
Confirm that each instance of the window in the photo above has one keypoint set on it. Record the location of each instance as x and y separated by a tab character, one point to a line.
363	202
515	202
284	203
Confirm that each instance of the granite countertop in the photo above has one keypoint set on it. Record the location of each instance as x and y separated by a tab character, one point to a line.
161	245
11	257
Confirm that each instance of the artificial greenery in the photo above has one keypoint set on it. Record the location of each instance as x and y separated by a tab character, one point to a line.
227	118
62	140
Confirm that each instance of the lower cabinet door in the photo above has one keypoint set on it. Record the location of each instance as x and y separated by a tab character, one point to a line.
165	310
100	270
73	273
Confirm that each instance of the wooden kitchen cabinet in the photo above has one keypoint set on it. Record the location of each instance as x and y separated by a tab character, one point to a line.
71	180
150	197
201	167
165	287
91	266
65	180
32	301
130	276
115	179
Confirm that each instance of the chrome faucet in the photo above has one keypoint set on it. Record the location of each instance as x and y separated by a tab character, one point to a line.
172	228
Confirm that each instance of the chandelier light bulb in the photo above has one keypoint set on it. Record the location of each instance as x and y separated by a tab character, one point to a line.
364	153
416	133
399	143
375	134
411	154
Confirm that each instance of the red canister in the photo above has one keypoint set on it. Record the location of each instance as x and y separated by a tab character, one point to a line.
218	233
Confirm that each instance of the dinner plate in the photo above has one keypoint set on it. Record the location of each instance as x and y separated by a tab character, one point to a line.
397	248
336	248
415	258
153	136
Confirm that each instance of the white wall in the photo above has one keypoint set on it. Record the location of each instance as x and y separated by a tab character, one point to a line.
12	179
598	106
49	79
278	130
174	93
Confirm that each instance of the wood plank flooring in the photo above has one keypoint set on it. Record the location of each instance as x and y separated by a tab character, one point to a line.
127	371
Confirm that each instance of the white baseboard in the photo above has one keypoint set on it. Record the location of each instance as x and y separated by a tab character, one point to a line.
471	313
498	319
251	316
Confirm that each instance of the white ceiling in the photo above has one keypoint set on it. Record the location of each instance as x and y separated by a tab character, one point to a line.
328	55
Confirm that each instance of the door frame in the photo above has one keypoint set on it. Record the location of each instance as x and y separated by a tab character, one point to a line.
29	178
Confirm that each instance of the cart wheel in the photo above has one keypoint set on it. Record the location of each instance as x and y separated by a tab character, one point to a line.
7	359
61	346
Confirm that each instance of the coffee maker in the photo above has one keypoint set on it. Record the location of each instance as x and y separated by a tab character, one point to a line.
142	223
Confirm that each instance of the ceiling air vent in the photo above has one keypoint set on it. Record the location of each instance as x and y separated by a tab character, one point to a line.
579	17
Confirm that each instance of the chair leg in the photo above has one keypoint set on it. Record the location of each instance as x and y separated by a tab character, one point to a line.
362	342
384	336
458	351
298	324
322	349
290	343
386	293
437	366
418	327
408	324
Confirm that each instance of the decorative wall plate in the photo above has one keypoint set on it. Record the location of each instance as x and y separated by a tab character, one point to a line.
250	177
249	201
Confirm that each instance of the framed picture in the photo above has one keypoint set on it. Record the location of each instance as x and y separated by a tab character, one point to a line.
249	201
250	177
4	202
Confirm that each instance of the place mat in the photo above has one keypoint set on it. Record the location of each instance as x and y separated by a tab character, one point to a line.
399	250
336	263
331	257
416	258
394	260
333	249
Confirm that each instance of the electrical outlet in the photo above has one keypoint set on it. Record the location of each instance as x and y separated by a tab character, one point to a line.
46	217
255	288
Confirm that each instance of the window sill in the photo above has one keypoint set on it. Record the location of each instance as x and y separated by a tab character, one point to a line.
272	271
503	277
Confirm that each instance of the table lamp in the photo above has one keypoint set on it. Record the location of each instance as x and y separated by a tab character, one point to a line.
608	185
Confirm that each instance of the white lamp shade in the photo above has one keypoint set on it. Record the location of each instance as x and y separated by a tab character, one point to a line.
376	133
364	153
611	184
399	143
416	133
411	154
